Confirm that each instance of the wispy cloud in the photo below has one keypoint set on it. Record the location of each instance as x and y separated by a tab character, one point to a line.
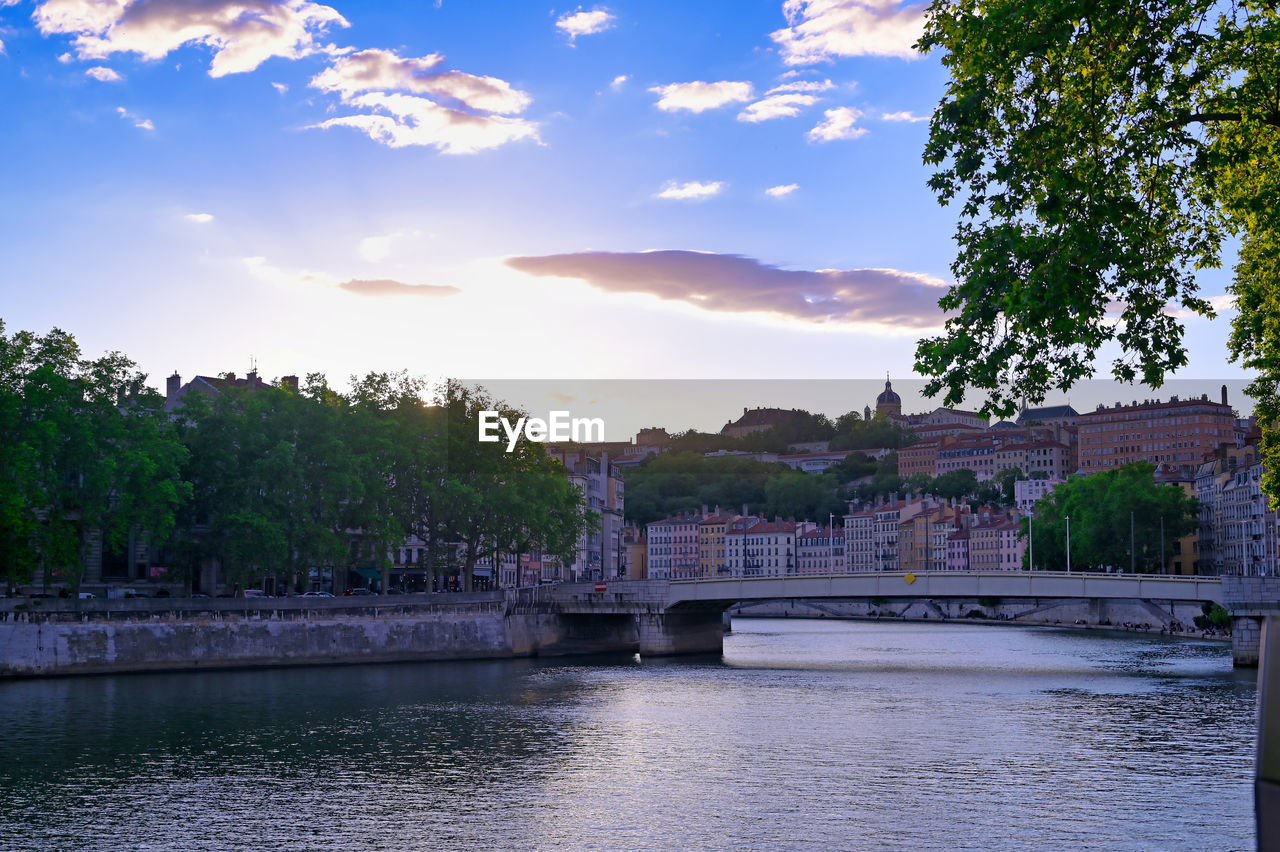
691	191
840	123
103	74
735	284
453	111
776	106
619	82
579	23
199	218
242	33
282	88
389	287
138	121
903	116
822	30
376	249
698	96
807	86
781	190
305	281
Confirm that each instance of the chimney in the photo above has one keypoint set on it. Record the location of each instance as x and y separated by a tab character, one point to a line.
704	508
1224	394
289	383
171	387
252	378
744	510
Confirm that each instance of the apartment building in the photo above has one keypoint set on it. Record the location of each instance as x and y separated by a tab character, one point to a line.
1180	431
820	551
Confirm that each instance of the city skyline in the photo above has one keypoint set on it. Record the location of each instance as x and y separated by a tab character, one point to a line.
616	191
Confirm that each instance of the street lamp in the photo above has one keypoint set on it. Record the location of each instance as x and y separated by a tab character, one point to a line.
1068	518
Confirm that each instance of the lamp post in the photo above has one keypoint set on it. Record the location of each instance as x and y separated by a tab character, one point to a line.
1031	543
1068	519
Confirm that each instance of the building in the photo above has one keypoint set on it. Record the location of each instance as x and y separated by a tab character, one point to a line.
919	458
756	420
1028	492
1053	415
599	550
820	551
1180	431
1238	529
755	547
995	543
1049	458
711	531
673	547
859	539
922	539
888	403
635	555
958	550
815	462
214	386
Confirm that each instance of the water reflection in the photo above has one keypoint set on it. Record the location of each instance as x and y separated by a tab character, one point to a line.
808	734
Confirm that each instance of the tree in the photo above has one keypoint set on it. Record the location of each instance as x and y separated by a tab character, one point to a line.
1101	508
87	453
1101	154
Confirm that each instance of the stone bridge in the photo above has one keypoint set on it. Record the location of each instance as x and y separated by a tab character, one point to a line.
685	616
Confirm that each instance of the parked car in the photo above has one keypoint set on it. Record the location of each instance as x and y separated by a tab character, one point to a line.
254	593
87	596
316	595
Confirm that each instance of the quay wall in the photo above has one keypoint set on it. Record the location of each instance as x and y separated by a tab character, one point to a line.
154	635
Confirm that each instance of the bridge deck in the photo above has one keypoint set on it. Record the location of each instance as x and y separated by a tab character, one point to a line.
948	584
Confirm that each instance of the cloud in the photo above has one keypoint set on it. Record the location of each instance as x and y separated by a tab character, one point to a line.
199	218
619	82
776	106
699	96
138	121
903	116
455	112
3	52
304	282
781	190
280	87
242	33
103	74
691	191
388	287
840	123
803	86
734	284
577	23
821	30
384	70
378	248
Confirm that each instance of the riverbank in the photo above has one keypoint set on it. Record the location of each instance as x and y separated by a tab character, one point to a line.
1004	622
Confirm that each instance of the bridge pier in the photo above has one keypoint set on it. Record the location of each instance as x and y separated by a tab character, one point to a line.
667	633
1246	639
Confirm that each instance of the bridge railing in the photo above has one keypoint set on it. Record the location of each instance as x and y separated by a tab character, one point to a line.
1113	575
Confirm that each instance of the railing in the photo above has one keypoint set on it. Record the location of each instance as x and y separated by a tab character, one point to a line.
1185	578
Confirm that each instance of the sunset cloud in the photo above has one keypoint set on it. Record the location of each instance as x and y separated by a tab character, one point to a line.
823	30
452	111
242	33
387	287
691	191
577	23
734	284
840	123
698	96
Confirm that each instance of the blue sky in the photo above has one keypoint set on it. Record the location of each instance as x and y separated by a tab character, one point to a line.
480	189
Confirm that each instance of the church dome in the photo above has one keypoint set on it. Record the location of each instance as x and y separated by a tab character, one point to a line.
888	397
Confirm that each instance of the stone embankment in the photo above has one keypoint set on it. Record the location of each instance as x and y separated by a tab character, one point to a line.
60	637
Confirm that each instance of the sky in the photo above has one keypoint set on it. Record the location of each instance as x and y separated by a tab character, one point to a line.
488	190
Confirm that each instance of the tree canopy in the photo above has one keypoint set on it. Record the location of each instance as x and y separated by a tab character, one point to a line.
1100	507
1101	152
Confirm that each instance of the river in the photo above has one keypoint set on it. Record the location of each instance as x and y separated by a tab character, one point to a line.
806	735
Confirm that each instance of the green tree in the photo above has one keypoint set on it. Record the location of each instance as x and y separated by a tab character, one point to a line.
1101	153
1100	508
87	453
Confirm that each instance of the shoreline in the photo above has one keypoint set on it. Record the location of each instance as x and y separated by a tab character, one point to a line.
996	622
